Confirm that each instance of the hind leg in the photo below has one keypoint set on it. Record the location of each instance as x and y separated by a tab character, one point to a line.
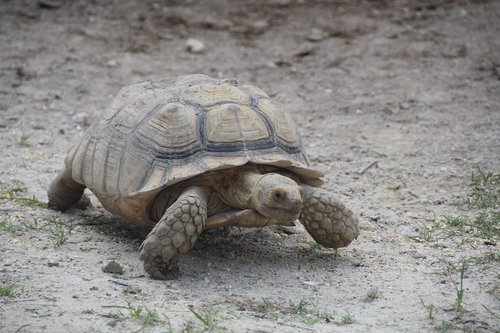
328	221
64	192
174	234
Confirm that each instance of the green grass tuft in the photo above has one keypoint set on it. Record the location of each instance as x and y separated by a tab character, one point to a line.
481	218
459	287
59	231
7	226
445	326
414	153
8	290
208	318
485	190
347	319
14	194
144	316
23	141
304	311
431	309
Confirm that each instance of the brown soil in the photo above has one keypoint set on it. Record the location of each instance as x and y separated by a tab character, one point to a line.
397	101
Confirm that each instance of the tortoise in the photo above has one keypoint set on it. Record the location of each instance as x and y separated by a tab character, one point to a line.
193	153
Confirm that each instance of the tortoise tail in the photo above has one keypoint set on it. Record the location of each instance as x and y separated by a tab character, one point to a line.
64	192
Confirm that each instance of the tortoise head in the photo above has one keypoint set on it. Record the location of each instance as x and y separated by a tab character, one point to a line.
279	197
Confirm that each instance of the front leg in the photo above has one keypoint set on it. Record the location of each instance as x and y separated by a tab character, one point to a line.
174	234
328	221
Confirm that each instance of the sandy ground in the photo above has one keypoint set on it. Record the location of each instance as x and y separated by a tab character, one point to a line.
397	101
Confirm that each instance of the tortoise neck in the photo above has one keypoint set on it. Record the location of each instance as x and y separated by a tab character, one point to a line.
237	189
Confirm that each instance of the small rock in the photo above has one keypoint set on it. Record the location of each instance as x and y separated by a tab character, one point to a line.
310	283
260	26
25	73
113	267
195	45
356	262
496	71
52	263
424	201
315	35
372	293
304	52
455	51
215	23
132	290
111	63
404	106
438	201
82	118
418	255
49	4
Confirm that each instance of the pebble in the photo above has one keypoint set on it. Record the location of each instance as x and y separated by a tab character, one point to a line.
113	267
304	52
112	63
315	35
260	26
404	106
356	262
418	255
82	118
25	73
195	45
310	283
372	293
215	24
52	263
132	290
49	4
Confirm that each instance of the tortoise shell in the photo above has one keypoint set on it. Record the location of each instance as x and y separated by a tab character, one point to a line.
158	133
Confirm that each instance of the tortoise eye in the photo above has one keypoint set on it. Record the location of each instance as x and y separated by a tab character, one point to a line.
279	194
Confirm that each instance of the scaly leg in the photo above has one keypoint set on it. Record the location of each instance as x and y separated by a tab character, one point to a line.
64	192
174	234
328	221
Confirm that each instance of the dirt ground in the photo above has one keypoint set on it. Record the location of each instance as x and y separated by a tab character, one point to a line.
397	101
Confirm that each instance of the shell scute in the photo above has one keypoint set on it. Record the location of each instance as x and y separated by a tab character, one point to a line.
234	123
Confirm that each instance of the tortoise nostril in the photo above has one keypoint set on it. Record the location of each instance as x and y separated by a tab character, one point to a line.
297	205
